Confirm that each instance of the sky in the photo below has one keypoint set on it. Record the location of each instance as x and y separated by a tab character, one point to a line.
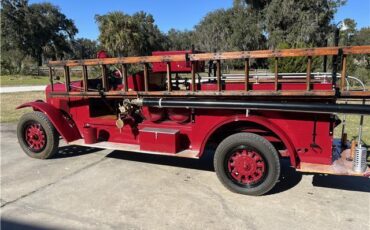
174	14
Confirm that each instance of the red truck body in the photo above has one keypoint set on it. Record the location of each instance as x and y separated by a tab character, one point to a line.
109	119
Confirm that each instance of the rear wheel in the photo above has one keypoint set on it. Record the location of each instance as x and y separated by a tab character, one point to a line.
37	136
247	163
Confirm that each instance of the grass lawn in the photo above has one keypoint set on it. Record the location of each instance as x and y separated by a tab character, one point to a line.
20	80
352	124
9	101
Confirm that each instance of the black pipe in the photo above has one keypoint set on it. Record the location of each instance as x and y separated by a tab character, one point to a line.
262	105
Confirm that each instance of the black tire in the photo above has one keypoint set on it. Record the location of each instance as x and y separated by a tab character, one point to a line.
45	139
266	167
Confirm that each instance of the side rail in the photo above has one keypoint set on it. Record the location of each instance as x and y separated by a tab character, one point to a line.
339	55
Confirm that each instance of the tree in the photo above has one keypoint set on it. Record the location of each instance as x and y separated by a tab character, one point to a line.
247	28
13	15
125	35
214	31
361	66
48	27
35	30
361	37
180	40
296	22
83	48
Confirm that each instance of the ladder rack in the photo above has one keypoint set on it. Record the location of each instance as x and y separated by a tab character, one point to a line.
340	91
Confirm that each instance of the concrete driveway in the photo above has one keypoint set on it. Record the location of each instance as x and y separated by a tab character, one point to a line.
88	188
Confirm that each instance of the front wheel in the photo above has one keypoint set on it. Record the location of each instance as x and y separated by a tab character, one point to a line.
247	163
37	135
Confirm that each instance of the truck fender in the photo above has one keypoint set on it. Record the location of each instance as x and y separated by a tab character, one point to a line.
263	122
63	124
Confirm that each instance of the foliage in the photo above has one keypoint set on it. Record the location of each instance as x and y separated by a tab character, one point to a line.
214	31
294	64
83	48
296	22
125	35
38	31
180	40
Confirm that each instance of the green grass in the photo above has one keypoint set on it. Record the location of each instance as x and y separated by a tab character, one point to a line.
352	127
19	80
9	101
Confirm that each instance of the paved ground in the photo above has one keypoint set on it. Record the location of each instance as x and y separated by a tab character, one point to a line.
87	188
16	89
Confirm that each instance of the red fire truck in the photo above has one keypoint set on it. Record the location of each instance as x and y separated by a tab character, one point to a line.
249	120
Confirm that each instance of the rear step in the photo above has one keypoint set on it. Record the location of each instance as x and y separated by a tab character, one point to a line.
340	166
134	148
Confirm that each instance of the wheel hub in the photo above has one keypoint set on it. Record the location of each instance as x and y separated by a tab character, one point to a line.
35	137
246	167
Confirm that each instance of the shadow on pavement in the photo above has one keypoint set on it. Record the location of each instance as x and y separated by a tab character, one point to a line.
74	151
289	178
351	183
16	225
204	163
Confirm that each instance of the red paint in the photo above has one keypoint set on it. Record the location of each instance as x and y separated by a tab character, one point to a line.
246	166
35	137
160	140
102	54
66	128
89	135
176	67
306	137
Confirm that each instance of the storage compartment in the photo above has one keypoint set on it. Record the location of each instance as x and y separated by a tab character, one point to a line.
160	140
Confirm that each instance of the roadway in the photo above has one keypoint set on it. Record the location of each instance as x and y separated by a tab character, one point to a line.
100	189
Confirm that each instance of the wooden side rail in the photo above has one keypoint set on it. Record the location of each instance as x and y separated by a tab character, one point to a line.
218	57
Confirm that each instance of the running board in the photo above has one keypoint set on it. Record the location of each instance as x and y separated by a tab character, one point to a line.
134	148
340	166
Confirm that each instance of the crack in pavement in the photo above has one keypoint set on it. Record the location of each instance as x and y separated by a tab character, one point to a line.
53	183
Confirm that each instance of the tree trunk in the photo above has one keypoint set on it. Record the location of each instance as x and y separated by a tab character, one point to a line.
39	61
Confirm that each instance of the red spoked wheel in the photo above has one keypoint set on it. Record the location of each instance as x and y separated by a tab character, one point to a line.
35	137
246	167
247	163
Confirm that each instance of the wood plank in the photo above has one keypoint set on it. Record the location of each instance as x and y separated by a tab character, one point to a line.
67	78
120	60
246	74
85	78
146	77
218	75
124	77
169	80
264	54
323	51
276	74
105	78
356	50
51	78
193	72
308	76
340	166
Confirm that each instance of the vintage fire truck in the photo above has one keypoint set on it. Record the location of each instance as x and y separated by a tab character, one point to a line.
249	120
